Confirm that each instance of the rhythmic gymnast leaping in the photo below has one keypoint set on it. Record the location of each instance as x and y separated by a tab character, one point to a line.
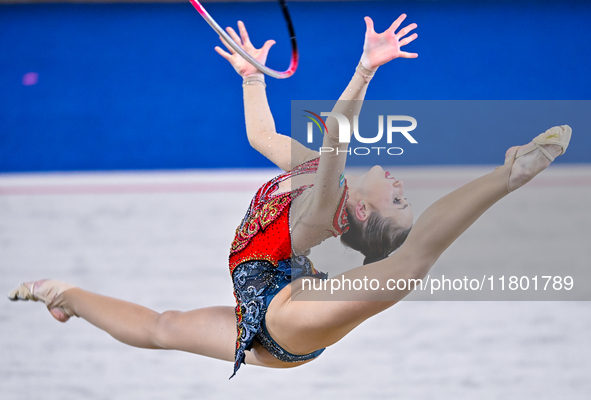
296	211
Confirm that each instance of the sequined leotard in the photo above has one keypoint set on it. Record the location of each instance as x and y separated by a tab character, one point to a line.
261	262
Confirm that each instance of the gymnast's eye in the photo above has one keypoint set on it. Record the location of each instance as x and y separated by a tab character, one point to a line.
396	200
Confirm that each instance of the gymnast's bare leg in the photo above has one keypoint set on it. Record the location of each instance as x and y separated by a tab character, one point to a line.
298	326
301	327
207	331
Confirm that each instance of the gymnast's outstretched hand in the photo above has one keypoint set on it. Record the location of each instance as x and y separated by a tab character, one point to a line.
380	48
243	67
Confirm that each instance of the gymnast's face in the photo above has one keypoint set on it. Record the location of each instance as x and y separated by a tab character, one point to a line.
384	194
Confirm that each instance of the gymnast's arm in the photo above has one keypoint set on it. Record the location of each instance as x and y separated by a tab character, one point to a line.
282	150
378	49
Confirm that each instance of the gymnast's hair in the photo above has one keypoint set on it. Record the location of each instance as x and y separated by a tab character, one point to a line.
376	239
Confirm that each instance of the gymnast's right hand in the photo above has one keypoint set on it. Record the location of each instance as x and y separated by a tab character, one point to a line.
243	67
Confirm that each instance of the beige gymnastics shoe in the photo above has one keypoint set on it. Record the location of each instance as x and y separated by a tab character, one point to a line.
558	135
550	144
46	291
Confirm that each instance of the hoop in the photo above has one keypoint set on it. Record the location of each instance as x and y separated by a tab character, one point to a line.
293	65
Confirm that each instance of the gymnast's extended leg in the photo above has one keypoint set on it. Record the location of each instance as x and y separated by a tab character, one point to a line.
305	326
207	331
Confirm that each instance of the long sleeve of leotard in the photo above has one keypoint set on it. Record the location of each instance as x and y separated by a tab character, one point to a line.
313	213
282	150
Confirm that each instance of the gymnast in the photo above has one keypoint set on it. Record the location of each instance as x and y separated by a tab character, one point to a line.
313	200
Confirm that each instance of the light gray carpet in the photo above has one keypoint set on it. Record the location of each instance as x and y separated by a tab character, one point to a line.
167	249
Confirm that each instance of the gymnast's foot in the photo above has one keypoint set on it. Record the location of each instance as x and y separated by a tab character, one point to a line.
47	291
534	157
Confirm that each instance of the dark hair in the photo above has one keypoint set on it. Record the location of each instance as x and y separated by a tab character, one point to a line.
376	239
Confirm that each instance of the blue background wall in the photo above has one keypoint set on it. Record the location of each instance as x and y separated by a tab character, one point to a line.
138	86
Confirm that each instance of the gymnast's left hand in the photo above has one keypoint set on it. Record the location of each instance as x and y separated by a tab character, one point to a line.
380	48
243	67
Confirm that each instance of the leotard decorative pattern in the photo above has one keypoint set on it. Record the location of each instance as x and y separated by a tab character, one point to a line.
261	262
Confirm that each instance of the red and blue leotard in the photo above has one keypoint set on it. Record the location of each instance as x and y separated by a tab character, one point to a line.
261	262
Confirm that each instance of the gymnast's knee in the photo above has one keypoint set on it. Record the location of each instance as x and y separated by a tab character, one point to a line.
163	330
